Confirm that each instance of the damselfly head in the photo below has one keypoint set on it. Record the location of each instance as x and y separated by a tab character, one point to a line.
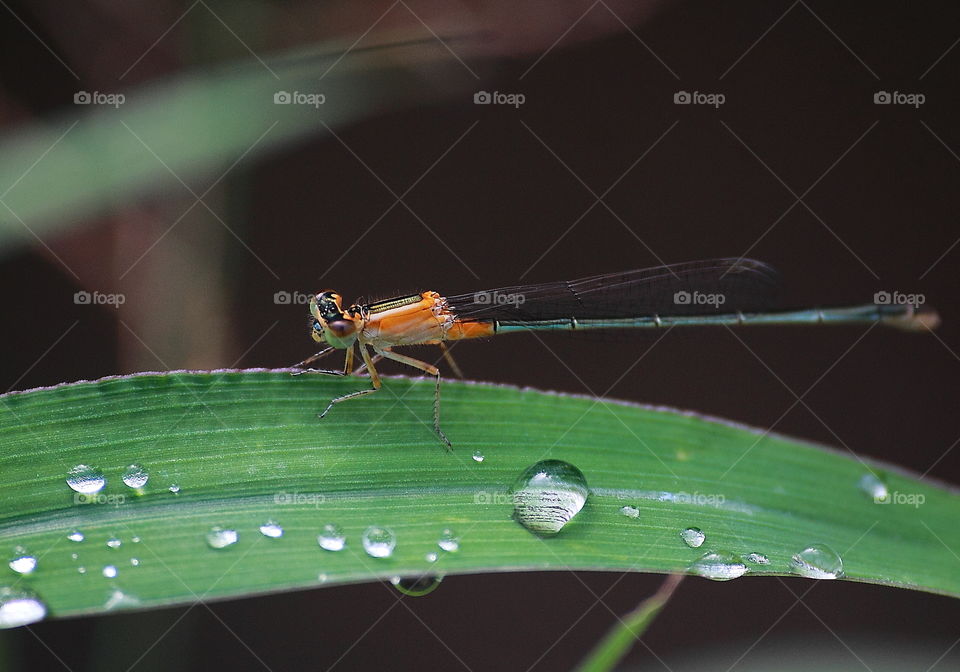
330	323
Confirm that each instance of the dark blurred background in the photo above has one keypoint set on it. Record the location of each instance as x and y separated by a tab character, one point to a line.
502	193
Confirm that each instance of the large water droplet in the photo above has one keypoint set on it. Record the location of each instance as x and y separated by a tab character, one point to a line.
548	495
378	542
630	511
449	541
271	529
871	485
135	476
113	542
693	537
478	456
719	566
757	558
20	607
417	586
110	571
818	561
332	538
76	536
85	479
219	537
23	562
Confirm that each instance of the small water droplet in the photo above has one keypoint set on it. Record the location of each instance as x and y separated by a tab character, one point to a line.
757	558
378	542
110	571
174	488
719	566
219	537
478	456
417	586
22	562
818	561
547	496
449	541
76	536
113	542
82	570
118	598
135	540
693	537
271	529
135	476
20	607
135	562
332	538
430	557
74	556
85	479
322	578
871	485
630	511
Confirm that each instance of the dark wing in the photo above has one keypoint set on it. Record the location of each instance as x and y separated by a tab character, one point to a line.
688	288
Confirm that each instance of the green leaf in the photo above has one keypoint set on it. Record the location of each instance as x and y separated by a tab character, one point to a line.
246	447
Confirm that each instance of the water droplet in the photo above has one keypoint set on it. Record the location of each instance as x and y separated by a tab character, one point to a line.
449	541
20	607
110	571
693	537
271	529
430	557
322	578
219	537
174	488
630	511
818	561
22	562
85	479
417	586
118	598
478	456
74	556
113	542
757	558
873	487
719	566
82	570
76	535
332	538
548	495
135	476
378	542
135	540
135	562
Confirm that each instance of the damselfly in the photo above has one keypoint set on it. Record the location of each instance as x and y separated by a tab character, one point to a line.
731	292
